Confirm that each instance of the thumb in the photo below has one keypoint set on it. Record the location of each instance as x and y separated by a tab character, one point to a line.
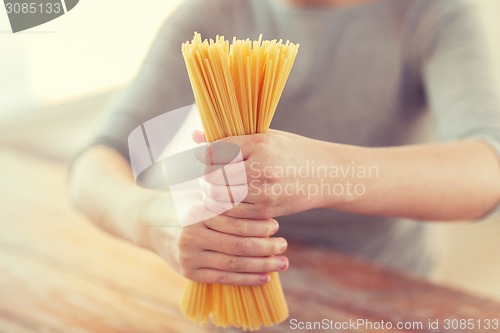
198	136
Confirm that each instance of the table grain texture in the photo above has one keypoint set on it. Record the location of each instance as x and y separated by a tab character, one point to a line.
58	273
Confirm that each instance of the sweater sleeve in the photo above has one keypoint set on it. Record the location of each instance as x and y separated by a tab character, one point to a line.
161	84
458	74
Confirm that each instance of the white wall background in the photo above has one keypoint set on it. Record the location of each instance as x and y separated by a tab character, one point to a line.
77	45
491	21
95	46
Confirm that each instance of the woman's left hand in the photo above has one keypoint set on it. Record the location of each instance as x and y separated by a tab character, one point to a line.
280	178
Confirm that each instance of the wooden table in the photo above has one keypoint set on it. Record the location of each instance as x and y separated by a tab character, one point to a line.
58	273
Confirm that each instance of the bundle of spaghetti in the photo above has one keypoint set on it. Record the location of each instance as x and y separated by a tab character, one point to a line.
237	88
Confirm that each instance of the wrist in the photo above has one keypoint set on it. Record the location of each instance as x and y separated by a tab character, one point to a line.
152	211
135	210
350	177
157	227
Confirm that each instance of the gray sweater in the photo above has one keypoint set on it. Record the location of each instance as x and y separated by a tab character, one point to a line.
387	73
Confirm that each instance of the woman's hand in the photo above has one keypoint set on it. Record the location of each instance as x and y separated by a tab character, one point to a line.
221	249
282	175
287	173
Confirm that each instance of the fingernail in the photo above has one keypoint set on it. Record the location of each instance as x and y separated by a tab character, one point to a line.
265	278
283	264
283	246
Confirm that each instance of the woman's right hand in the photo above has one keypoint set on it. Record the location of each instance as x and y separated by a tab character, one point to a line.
221	250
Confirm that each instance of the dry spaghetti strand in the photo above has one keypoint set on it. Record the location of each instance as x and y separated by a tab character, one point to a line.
237	88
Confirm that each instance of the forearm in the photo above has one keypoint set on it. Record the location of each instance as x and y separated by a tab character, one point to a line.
217	250
449	181
102	187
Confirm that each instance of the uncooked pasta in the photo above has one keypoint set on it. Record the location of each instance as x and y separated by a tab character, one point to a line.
237	88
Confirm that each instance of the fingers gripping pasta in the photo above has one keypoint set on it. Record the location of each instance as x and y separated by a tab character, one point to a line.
237	88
